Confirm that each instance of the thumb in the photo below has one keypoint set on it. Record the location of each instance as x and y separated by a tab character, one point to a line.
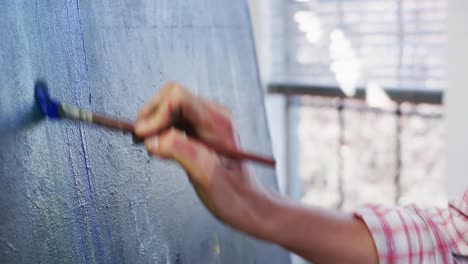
196	159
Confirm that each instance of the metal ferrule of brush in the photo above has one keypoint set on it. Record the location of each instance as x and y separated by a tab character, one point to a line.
72	112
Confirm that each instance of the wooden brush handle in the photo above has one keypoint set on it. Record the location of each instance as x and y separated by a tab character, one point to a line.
113	123
241	155
177	121
128	126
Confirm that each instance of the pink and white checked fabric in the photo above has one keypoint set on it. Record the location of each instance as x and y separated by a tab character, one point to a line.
415	235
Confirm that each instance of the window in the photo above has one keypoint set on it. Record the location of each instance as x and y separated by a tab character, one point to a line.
342	152
391	43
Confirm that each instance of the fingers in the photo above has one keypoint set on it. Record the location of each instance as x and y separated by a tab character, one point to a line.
152	104
157	122
149	107
211	122
194	157
157	113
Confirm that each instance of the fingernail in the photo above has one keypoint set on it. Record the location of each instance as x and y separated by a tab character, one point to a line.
154	143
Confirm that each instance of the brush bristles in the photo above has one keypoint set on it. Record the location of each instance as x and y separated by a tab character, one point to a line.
47	106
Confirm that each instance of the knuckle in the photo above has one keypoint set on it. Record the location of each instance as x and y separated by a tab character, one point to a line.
169	86
175	87
230	131
227	125
177	97
225	115
172	84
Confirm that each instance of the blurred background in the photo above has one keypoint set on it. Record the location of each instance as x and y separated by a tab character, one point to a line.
355	93
355	98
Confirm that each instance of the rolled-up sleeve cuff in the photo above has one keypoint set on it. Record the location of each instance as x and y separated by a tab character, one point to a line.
380	230
406	234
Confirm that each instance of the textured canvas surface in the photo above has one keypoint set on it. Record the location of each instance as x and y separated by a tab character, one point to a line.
75	193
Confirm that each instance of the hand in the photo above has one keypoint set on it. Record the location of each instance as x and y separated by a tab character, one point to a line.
231	194
223	185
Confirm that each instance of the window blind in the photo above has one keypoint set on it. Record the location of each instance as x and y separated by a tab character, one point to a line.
354	43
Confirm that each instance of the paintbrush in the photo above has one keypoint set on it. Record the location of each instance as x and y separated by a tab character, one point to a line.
54	109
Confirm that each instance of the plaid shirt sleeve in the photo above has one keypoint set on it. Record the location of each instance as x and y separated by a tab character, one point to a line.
415	235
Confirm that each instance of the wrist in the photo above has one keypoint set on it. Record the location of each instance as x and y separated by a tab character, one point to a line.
278	218
266	213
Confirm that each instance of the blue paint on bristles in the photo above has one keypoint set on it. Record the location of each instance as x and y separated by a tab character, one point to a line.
47	105
52	108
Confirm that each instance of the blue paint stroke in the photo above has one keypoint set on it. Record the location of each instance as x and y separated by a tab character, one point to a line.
82	36
99	250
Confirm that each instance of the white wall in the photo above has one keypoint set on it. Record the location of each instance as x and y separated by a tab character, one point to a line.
267	25
456	98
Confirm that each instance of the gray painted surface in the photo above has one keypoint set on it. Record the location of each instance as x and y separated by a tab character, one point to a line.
75	193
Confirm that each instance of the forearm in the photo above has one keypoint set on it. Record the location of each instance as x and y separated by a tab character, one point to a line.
319	235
